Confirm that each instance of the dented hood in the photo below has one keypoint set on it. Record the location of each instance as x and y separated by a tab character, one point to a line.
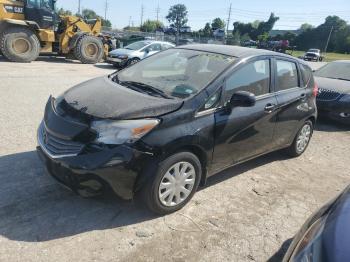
102	98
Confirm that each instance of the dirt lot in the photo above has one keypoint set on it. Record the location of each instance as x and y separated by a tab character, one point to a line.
247	213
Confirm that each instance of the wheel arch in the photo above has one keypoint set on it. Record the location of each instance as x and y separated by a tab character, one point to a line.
149	170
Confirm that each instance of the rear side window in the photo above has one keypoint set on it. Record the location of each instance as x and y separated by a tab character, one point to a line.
287	75
306	73
253	77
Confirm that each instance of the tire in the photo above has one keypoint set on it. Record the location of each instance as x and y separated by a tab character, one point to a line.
152	190
133	61
89	49
298	147
19	44
320	59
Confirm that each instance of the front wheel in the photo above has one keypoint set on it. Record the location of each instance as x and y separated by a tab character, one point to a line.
89	49
301	140
174	184
132	61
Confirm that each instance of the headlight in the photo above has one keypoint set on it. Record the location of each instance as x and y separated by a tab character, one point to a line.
120	132
123	56
310	246
345	98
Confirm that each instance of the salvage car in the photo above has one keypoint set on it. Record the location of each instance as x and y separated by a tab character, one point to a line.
161	127
333	99
325	236
313	55
135	52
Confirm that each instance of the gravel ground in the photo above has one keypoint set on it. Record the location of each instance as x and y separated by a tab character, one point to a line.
247	213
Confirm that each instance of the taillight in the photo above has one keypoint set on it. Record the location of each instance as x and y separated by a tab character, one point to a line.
315	91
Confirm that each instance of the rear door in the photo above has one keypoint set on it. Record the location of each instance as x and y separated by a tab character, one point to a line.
245	132
292	97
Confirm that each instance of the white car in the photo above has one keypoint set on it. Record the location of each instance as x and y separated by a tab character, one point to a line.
135	52
313	55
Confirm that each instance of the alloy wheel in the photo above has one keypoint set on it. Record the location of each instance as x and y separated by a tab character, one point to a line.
304	138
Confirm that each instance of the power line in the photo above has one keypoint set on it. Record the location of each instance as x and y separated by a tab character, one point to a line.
106	9
142	13
79	5
229	18
158	11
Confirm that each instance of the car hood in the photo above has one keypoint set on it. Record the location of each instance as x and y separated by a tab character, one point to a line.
121	51
102	98
340	86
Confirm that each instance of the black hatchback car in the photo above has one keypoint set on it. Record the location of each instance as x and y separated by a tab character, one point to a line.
163	126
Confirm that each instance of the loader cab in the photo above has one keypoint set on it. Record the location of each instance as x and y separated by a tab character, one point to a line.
40	11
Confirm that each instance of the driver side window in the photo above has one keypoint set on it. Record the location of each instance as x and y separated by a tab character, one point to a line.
253	77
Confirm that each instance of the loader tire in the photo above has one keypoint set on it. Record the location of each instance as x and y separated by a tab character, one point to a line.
89	49
19	44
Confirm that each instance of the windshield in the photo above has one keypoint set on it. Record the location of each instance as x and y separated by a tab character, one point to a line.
176	72
336	70
314	51
137	45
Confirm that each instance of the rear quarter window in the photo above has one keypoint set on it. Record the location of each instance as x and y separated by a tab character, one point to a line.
287	75
307	76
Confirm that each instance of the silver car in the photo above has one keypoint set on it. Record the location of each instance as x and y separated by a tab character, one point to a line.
135	52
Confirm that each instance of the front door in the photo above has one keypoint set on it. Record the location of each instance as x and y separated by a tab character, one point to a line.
41	12
245	132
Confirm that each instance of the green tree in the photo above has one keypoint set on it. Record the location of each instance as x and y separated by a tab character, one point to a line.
151	26
218	23
177	16
91	14
207	31
256	28
63	12
304	27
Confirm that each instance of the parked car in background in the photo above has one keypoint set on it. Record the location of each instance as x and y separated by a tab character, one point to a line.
135	52
161	127
325	236
313	55
220	33
333	99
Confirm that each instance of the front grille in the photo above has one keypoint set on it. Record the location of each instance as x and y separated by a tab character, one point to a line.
327	95
56	147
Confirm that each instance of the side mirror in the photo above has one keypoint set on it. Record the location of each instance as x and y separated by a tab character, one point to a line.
242	99
147	50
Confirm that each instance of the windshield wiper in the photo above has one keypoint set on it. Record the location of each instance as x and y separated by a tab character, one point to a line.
145	88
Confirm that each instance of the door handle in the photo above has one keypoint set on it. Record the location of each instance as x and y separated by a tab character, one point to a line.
270	107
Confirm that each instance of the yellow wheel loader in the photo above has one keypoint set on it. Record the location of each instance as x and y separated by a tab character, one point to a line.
31	27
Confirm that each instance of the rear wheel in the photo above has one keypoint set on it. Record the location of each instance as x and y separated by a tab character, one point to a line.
301	140
174	184
19	44
89	49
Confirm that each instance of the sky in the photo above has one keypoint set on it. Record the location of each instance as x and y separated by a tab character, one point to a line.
292	13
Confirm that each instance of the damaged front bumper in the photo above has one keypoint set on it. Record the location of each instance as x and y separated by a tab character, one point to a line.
91	174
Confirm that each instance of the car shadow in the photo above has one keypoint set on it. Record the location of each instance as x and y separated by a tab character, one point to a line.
278	256
34	208
106	66
327	125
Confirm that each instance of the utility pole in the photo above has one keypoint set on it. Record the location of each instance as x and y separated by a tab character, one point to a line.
329	38
129	21
142	12
229	18
79	7
158	11
106	9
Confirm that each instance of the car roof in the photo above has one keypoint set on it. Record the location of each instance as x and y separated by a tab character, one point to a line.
155	42
236	51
